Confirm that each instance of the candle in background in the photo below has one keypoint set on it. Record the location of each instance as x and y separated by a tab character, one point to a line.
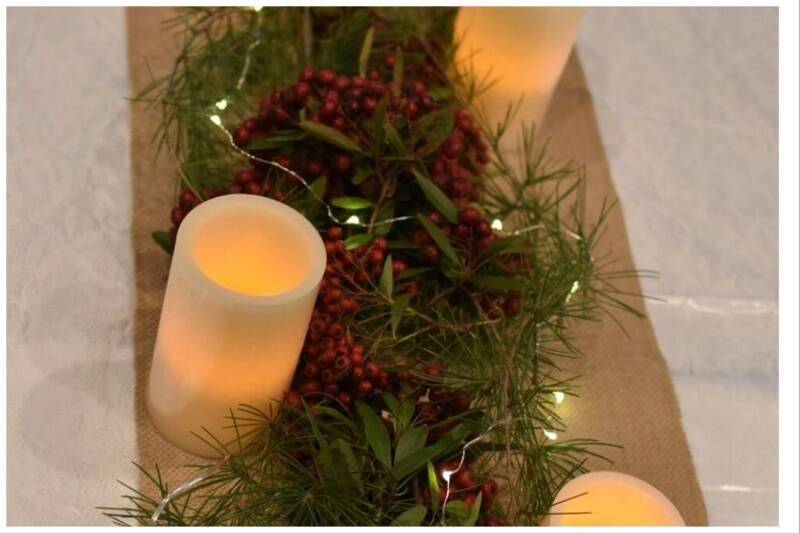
244	277
611	499
524	49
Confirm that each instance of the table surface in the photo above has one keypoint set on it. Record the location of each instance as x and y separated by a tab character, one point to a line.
687	105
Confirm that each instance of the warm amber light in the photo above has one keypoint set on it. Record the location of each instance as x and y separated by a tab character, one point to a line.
249	251
523	49
611	499
244	277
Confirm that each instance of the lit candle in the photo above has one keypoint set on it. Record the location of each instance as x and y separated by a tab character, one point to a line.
611	499
523	48
244	277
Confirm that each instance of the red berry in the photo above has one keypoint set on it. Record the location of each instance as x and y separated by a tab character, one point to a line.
374	75
342	162
461	231
381	244
177	215
331	388
365	387
241	136
327	109
342	83
340	123
307	74
349	305
376	257
314	168
436	217
188	200
328	375
464	478
311	371
370	104
431	253
372	370
342	363
252	187
281	116
399	266
432	370
327	357
483	229
330	247
411	110
334	233
310	387
357	358
511	306
470	216
345	398
244	176
358	82
326	76
489	486
390	61
301	91
421	236
235	188
357	373
293	399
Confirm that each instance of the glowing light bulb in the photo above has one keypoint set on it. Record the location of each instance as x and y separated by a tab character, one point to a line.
222	104
216	120
257	8
559	396
550	434
353	220
497	224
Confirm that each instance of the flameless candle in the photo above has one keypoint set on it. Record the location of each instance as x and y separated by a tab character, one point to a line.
244	277
524	49
611	499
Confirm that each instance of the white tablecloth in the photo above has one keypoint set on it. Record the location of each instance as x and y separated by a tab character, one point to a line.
687	104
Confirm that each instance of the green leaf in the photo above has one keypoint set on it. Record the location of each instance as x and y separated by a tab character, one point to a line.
357	241
514	244
339	466
163	239
474	511
439	238
308	201
406	412
433	486
277	140
411	272
330	136
374	124
436	197
384	213
411	517
399	307
351	203
386	283
434	128
457	510
376	433
366	49
394	138
400	244
498	283
411	440
397	75
450	442
392	403
360	175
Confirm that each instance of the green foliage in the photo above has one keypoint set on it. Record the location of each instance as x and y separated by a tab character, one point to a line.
366	466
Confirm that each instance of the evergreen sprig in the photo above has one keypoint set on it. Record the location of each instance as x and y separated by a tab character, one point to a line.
372	465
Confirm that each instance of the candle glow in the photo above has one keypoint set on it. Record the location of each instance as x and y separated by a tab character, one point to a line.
244	277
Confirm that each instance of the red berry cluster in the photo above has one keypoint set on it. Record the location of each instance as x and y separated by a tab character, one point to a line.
333	363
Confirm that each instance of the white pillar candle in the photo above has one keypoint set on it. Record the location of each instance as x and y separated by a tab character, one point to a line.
244	277
524	49
611	499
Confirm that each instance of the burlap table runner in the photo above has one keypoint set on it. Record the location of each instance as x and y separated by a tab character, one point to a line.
626	393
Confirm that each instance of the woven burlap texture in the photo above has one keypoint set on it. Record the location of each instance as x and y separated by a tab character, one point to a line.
626	394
